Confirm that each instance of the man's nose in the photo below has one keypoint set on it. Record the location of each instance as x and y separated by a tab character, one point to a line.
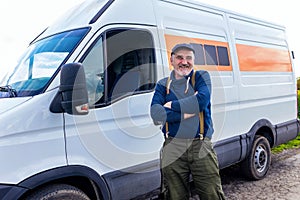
184	61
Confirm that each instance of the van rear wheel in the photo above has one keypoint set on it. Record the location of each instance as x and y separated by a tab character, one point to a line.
257	164
58	192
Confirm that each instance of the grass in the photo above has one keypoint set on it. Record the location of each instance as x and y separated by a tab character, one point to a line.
298	103
289	145
293	143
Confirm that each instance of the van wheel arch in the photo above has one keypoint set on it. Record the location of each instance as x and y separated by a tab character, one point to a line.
258	157
263	128
80	177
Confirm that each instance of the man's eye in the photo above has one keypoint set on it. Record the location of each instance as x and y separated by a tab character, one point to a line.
182	58
179	57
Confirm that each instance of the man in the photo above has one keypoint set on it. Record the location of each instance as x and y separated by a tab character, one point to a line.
178	103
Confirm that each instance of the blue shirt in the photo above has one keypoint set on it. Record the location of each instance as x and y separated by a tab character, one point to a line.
184	100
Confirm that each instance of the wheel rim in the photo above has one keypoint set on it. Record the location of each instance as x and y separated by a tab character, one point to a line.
260	159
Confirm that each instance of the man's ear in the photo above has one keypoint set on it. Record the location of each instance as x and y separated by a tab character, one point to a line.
171	58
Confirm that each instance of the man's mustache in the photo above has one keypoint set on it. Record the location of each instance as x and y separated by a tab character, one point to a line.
184	66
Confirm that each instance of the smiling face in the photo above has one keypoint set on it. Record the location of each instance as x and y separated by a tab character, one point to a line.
183	62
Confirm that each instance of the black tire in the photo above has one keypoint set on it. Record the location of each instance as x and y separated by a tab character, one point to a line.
257	164
58	192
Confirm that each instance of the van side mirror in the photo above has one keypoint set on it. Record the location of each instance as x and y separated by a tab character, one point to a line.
72	96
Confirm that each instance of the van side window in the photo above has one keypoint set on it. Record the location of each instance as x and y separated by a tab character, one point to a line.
131	62
199	54
129	65
223	56
93	64
211	55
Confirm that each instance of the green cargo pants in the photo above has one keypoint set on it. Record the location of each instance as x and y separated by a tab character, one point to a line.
184	157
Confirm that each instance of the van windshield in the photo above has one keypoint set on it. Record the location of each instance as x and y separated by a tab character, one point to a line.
39	64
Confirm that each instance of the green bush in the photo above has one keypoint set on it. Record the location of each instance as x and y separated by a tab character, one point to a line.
298	103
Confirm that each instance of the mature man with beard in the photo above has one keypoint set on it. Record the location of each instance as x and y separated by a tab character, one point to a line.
182	104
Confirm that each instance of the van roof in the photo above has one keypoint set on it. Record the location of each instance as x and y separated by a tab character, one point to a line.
78	16
89	11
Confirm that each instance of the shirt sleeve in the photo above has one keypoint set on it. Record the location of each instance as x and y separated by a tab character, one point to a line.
196	103
158	112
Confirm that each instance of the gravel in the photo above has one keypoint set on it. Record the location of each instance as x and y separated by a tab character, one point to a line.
281	183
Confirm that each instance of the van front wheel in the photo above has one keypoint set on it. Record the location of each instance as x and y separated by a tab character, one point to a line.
257	164
58	192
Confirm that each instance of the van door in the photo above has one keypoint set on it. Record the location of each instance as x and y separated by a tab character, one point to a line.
117	138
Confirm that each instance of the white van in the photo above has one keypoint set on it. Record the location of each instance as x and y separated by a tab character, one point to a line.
75	111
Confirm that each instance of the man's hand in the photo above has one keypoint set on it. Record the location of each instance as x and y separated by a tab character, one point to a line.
168	105
187	115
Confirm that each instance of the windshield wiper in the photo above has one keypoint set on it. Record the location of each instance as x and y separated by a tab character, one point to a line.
12	92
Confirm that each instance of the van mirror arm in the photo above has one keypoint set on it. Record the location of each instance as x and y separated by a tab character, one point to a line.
72	96
12	92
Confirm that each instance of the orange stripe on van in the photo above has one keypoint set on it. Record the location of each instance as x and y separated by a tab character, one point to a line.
253	58
172	40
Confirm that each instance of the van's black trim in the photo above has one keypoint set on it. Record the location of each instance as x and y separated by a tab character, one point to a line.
52	175
101	11
142	180
11	192
236	149
286	131
229	151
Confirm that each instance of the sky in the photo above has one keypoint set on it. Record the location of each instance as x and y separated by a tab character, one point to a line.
21	21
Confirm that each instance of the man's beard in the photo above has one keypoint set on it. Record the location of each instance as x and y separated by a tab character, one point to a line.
183	70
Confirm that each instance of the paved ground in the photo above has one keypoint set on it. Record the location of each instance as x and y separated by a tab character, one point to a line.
282	181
